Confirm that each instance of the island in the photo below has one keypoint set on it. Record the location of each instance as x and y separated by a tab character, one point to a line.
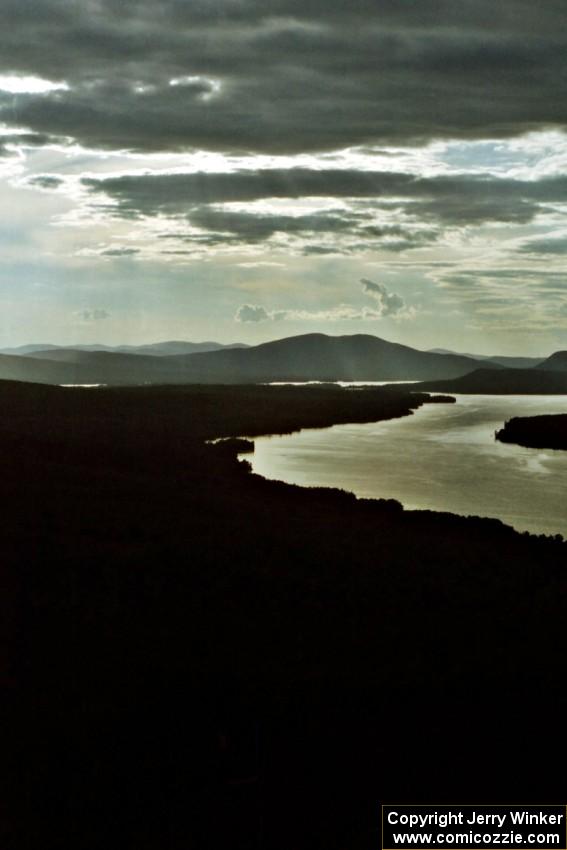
538	432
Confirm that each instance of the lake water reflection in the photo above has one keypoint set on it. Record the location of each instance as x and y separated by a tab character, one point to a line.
443	457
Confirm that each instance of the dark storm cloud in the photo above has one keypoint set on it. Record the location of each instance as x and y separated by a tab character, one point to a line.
46	181
233	228
397	246
554	245
323	250
285	76
510	284
449	200
256	227
409	240
151	194
96	315
32	140
11	142
120	252
200	240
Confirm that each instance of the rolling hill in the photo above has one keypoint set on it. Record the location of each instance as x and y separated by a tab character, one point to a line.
502	382
312	357
13	368
556	363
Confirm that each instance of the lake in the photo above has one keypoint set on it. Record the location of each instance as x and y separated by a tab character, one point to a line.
443	457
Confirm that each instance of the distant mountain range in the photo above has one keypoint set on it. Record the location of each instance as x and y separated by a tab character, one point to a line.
309	357
503	360
157	349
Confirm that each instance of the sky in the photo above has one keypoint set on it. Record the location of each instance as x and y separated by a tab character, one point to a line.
246	170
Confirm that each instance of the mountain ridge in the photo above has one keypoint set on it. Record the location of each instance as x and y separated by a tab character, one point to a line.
304	357
317	356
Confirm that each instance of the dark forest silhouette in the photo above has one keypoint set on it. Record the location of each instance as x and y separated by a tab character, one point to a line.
202	658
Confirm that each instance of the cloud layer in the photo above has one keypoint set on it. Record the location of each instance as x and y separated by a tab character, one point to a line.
178	159
387	304
285	76
359	210
452	199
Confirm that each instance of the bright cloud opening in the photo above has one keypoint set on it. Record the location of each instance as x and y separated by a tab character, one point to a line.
29	85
